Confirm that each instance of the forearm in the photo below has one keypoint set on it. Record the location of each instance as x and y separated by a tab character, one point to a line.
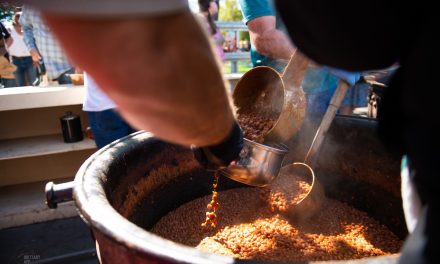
170	83
273	43
268	40
9	41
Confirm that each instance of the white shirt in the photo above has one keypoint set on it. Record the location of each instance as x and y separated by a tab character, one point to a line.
95	100
18	47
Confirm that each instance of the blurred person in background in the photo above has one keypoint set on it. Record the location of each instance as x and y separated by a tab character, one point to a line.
44	48
215	16
5	41
26	73
335	34
106	124
7	77
208	9
356	97
271	46
164	76
7	69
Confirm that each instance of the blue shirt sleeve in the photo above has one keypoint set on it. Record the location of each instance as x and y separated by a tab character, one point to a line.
27	27
252	9
348	76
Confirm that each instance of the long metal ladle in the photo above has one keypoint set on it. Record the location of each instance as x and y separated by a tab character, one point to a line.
311	203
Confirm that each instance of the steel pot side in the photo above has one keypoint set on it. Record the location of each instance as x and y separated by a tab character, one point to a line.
134	244
125	239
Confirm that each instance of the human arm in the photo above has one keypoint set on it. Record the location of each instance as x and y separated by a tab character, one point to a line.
9	41
260	17
6	35
268	40
163	76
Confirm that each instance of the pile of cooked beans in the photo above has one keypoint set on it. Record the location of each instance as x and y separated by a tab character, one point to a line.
251	225
255	127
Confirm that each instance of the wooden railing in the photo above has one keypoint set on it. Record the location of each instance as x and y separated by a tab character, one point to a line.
236	52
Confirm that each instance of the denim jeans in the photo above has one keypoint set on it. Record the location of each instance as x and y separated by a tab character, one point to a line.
7	83
26	72
108	126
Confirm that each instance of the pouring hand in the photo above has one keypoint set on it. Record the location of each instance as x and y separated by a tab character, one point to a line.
222	154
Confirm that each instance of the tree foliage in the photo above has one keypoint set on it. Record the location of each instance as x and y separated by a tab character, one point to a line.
6	11
229	11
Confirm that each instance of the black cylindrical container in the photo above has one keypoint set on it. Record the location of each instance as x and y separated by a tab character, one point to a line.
71	127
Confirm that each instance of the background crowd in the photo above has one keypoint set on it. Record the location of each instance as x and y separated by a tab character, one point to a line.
32	56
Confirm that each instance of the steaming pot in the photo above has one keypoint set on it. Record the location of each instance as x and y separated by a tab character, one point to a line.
125	188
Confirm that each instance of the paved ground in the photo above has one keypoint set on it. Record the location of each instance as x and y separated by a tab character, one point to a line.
59	241
24	204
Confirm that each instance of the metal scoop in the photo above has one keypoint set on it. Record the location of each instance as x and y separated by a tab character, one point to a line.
264	91
258	164
311	203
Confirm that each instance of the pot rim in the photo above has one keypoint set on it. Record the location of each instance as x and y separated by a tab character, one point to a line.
278	149
95	209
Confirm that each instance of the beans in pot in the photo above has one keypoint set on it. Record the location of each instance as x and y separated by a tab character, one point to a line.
251	226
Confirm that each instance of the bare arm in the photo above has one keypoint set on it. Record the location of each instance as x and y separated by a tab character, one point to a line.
268	40
160	71
5	35
9	41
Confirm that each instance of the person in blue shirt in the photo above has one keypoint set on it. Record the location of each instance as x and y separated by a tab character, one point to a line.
337	33
272	47
7	78
43	46
270	44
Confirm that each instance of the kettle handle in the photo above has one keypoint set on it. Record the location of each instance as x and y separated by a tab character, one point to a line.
58	193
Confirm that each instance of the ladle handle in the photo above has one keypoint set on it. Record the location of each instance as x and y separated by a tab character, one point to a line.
294	72
329	115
